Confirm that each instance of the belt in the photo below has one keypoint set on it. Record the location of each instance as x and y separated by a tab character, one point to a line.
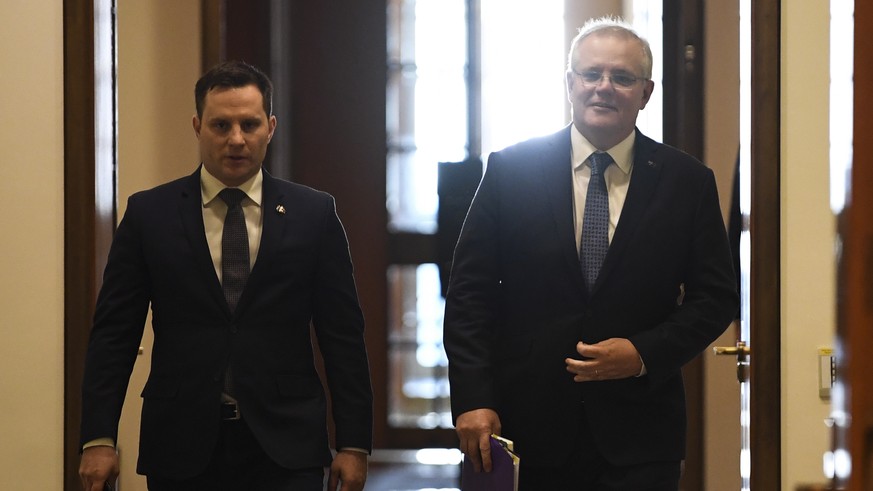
230	411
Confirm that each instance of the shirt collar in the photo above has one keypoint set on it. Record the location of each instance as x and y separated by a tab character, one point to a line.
210	186
622	154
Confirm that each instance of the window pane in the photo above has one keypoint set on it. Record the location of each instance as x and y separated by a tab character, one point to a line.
523	64
419	385
647	19
426	105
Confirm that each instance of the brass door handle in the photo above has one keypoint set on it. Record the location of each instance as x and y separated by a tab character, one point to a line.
742	352
733	350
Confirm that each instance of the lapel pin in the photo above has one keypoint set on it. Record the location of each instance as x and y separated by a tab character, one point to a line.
651	164
280	209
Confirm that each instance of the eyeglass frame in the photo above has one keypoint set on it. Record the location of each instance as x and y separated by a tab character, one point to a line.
616	84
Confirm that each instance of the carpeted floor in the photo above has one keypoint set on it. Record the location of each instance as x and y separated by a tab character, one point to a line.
410	470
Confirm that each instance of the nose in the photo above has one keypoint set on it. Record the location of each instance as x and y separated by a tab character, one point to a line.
605	82
235	137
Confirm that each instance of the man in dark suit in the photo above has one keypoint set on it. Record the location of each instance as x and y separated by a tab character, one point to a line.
573	347
233	400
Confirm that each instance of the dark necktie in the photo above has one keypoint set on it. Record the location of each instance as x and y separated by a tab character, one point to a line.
234	247
234	258
595	221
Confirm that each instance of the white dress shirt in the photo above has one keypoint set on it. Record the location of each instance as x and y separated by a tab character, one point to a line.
215	209
617	178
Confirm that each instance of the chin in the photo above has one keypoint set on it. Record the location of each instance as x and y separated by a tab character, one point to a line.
601	126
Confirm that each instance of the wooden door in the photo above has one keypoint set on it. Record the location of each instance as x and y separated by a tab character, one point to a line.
855	281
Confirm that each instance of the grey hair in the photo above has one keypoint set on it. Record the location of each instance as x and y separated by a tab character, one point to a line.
616	27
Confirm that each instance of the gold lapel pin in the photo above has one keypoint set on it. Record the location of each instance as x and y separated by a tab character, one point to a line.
280	209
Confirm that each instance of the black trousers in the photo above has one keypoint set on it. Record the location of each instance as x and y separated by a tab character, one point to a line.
587	470
239	463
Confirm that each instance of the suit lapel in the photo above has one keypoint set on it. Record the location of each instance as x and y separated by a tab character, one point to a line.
644	180
273	226
191	211
557	184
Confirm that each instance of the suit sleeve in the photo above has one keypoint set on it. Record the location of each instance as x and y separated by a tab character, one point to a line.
339	327
117	330
472	300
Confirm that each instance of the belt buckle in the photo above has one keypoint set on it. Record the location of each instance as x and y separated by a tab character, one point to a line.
233	409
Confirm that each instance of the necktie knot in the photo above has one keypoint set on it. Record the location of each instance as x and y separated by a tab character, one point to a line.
599	162
232	196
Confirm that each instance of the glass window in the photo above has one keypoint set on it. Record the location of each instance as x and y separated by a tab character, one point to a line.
426	105
419	385
524	59
647	19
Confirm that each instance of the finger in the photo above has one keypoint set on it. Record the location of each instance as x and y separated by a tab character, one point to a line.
485	451
91	485
470	448
575	366
587	350
333	481
583	368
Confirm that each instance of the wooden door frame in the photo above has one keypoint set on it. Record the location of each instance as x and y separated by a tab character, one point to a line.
683	61
765	229
89	200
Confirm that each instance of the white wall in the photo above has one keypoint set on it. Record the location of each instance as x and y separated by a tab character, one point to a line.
158	64
31	252
808	234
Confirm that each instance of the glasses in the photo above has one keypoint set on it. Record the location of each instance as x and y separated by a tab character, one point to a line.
620	81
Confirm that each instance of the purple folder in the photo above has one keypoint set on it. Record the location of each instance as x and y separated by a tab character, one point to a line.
504	470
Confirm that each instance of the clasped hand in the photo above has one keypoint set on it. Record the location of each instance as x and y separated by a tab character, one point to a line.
613	358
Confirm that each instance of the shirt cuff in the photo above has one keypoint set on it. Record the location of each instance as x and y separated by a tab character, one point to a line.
643	370
100	442
354	449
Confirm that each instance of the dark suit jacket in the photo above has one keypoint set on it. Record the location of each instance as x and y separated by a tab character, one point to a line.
517	302
302	275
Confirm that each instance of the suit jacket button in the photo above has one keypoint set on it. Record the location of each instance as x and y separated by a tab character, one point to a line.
233	328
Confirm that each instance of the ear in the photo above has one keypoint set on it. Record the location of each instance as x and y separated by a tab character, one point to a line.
195	122
647	93
272	122
568	77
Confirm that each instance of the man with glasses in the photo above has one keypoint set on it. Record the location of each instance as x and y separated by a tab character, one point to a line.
593	264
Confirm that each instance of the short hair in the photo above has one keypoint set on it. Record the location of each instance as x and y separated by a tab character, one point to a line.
616	27
230	74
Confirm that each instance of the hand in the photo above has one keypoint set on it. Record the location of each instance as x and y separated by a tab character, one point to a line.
348	471
610	359
474	429
99	466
